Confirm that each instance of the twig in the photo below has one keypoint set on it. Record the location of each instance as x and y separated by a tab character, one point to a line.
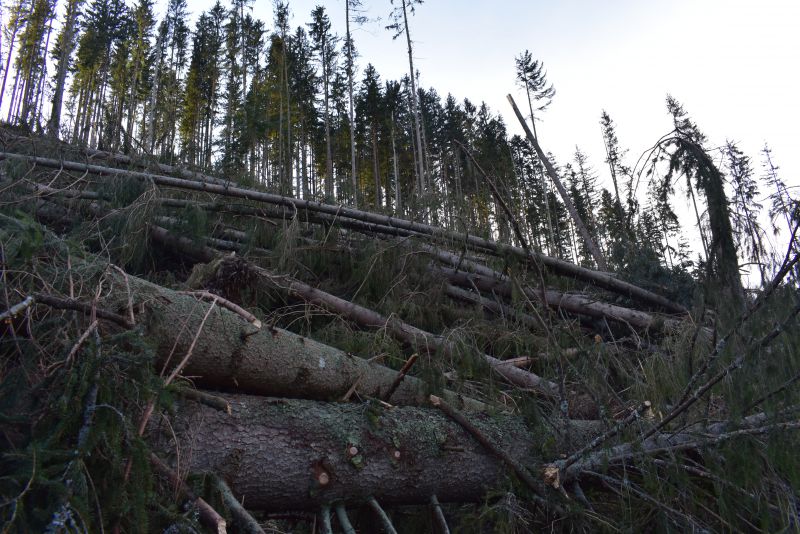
438	515
202	397
208	516
385	521
128	288
75	348
182	364
227	304
16	309
518	468
344	521
346	396
83	307
325	512
399	378
246	521
611	432
608	481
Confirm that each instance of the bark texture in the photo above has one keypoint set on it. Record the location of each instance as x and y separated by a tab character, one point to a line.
273	453
232	354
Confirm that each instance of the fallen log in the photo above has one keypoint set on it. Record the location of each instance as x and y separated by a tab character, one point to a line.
231	353
280	454
556	265
419	339
471	274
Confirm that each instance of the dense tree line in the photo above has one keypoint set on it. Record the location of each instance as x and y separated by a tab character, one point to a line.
290	110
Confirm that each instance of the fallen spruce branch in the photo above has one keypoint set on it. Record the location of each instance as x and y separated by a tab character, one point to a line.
242	517
83	307
16	309
557	266
692	438
208	516
492	447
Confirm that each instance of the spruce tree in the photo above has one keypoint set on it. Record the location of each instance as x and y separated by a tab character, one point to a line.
62	54
400	26
324	45
748	233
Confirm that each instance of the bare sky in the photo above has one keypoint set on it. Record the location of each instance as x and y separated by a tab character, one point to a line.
732	63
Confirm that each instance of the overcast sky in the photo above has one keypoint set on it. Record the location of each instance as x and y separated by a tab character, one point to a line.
734	64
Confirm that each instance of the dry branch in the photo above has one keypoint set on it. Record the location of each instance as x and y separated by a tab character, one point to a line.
208	516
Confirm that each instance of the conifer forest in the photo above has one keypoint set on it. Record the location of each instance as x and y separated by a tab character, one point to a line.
249	284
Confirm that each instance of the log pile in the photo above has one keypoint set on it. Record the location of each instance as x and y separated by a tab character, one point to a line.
283	422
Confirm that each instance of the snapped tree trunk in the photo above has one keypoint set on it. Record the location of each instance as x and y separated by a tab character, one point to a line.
587	238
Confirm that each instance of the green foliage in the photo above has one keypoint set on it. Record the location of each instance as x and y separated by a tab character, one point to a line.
67	408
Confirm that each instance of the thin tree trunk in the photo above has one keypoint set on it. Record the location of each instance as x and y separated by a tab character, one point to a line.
587	238
414	103
350	67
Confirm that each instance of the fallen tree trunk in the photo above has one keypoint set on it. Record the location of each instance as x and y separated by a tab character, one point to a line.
279	454
420	340
231	353
467	273
565	197
557	266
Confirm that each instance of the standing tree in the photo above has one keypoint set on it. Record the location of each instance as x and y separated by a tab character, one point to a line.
352	14
534	81
62	53
324	44
371	110
750	236
685	153
399	26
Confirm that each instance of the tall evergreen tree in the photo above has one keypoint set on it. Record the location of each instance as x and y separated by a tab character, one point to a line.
400	26
62	53
324	45
687	155
748	233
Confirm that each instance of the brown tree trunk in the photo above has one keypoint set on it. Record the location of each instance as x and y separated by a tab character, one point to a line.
277	454
232	354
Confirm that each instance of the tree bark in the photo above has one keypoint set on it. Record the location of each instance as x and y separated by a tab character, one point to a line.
233	354
279	454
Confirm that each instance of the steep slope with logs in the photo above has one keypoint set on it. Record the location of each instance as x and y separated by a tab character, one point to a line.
183	353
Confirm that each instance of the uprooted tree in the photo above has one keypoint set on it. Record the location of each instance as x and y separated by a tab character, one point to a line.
180	352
